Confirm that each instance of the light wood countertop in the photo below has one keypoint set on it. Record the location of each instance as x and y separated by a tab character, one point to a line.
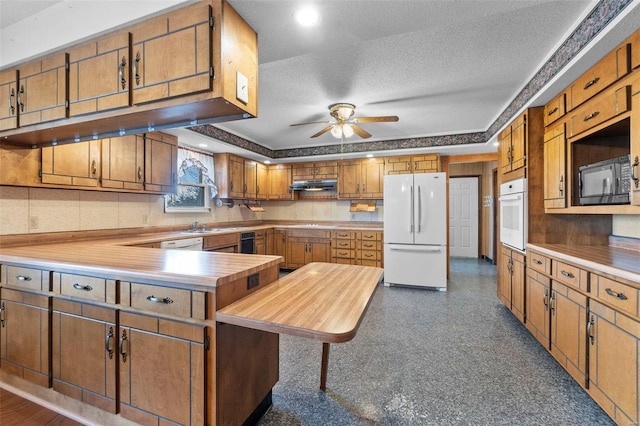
321	301
613	261
178	267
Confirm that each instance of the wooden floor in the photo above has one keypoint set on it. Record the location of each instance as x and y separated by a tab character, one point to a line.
15	410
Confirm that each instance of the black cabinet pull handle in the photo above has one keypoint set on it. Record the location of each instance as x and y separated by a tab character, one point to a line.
591	83
12	109
109	342
164	300
590	325
620	296
23	277
121	72
553	111
82	287
123	350
537	262
567	274
136	68
592	115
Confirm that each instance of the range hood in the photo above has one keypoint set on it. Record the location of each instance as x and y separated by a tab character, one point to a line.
314	185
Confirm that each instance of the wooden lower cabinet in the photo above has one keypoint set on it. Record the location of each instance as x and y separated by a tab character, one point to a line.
162	370
614	362
277	244
537	306
511	281
84	352
306	246
24	335
568	330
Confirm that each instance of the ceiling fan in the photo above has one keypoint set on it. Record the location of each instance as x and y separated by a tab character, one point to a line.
345	126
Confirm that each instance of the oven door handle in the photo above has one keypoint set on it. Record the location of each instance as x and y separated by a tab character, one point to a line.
514	197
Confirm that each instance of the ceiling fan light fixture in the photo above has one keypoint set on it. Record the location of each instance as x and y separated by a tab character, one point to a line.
347	130
336	131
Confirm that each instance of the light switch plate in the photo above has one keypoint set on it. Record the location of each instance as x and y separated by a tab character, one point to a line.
242	87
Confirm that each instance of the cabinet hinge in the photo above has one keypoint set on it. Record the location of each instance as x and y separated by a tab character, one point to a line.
40	173
66	104
212	73
207	343
212	23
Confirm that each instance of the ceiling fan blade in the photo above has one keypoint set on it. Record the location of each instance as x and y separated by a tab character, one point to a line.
323	131
375	119
310	122
360	131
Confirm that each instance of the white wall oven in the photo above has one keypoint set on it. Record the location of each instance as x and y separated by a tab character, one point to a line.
513	213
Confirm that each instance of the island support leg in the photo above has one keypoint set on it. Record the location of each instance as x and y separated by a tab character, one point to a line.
324	366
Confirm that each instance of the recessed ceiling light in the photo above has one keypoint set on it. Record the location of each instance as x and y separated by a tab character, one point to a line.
307	17
203	145
496	144
369	155
267	162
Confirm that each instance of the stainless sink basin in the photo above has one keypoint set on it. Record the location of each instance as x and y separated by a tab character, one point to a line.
209	231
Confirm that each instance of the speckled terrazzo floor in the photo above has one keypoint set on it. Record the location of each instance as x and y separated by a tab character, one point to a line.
432	358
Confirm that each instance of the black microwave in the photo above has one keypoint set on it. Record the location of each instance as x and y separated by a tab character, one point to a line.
605	182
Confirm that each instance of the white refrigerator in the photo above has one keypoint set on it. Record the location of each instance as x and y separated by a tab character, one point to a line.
415	230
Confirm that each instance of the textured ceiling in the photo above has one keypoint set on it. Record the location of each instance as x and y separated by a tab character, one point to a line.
443	67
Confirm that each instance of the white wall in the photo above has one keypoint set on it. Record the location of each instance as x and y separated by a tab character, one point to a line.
626	225
57	210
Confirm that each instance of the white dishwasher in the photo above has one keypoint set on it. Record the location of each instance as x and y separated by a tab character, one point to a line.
183	244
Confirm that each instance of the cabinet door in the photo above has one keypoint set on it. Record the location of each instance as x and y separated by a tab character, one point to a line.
326	170
24	335
279	182
84	345
614	345
504	140
261	182
518	144
249	189
349	182
554	168
161	158
635	143
123	162
172	54
397	165
8	99
99	77
236	177
303	171
296	253
504	277
72	164
277	244
372	179
42	90
537	306
318	252
517	285
568	330
428	163
162	370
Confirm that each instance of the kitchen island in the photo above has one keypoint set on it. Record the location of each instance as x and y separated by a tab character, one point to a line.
93	312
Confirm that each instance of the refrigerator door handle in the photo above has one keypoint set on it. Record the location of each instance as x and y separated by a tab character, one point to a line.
416	248
419	210
412	213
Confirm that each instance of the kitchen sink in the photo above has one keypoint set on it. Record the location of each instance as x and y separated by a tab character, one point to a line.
209	231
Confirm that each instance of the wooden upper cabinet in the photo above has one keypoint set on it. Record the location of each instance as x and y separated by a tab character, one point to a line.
161	162
279	182
426	163
249	186
513	145
634	40
42	90
72	164
635	145
554	167
361	179
8	99
554	109
229	171
99	75
504	142
261	182
172	54
607	71
123	162
315	171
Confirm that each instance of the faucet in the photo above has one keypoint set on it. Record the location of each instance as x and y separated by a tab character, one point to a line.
204	226
194	225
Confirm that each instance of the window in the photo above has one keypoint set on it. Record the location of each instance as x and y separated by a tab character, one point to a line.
195	186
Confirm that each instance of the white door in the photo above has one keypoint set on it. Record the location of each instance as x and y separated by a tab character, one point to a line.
463	217
430	208
398	209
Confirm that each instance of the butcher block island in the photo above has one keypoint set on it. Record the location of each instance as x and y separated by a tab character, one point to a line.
114	334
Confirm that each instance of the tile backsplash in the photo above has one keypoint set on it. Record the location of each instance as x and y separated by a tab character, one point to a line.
34	210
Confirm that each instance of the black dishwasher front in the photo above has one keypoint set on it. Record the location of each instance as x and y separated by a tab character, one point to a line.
248	242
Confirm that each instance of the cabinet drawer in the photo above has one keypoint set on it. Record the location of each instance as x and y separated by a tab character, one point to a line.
554	109
91	288
610	68
370	236
343	235
343	254
308	233
164	300
570	275
616	294
370	245
224	240
370	255
539	262
27	278
599	110
344	244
